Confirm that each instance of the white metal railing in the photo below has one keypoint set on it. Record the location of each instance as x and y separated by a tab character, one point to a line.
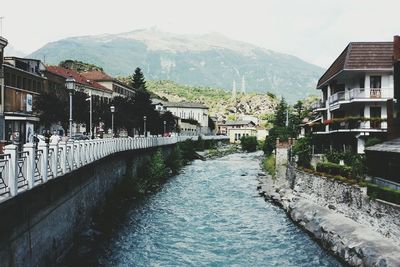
362	93
21	171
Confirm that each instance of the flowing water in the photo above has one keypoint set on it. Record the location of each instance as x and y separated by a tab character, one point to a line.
209	215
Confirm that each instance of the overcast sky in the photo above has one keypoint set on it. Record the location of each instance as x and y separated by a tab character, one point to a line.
314	30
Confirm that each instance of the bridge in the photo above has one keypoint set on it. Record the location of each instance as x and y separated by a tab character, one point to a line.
23	170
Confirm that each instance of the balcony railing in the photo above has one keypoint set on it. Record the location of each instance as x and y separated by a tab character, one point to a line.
361	93
353	124
318	105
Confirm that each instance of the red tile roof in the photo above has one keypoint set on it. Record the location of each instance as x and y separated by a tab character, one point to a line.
79	78
360	56
97	75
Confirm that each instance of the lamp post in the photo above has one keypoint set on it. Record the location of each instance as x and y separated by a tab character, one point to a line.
165	127
90	113
112	109
70	85
144	126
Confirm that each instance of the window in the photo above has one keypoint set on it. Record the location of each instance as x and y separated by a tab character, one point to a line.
375	81
362	82
375	112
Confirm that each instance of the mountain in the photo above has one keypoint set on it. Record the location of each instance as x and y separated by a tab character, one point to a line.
220	102
199	60
11	51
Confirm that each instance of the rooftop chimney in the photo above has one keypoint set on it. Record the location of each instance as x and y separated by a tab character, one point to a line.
396	48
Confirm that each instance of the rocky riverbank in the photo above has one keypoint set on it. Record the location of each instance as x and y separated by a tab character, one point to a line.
357	238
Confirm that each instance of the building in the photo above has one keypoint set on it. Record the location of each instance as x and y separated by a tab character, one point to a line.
3	44
359	96
56	77
82	84
237	129
383	161
118	87
186	111
23	83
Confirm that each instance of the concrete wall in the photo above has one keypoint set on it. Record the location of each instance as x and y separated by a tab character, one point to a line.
351	201
37	227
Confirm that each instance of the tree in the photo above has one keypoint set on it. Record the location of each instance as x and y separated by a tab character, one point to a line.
138	82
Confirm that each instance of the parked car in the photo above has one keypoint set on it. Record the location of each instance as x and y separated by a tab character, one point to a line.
79	137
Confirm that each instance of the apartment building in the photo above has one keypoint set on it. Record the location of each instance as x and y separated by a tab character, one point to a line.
3	44
359	95
23	80
118	88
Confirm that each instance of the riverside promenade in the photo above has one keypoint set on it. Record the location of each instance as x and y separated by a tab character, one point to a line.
31	167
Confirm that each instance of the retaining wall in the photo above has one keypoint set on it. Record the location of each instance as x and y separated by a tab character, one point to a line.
350	200
37	227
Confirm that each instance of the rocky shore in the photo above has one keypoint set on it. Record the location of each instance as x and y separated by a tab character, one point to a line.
356	242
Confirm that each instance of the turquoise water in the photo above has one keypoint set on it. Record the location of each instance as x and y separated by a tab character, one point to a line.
211	215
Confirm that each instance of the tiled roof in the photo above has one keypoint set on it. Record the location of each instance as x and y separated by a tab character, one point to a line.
361	56
97	75
79	78
389	146
184	105
238	122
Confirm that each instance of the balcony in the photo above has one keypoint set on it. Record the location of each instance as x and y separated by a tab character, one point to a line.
352	124
319	105
361	95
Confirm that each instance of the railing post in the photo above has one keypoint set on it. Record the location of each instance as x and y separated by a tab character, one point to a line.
44	161
30	163
63	156
12	171
53	159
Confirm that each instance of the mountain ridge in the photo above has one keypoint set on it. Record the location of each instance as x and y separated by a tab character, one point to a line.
210	59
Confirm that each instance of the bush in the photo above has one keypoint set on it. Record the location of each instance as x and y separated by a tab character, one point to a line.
188	150
383	193
175	160
355	161
156	169
302	148
334	169
268	164
249	143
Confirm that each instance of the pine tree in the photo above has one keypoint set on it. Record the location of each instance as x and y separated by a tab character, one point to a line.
280	117
138	82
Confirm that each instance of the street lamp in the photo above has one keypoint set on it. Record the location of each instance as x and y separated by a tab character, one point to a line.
144	126
90	112
112	109
165	127
70	85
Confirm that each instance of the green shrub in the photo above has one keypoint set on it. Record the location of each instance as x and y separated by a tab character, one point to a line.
302	148
175	160
269	166
200	144
334	169
188	150
383	193
157	169
249	143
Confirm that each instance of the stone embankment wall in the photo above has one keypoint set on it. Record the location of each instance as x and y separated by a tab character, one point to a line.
37	227
341	217
351	201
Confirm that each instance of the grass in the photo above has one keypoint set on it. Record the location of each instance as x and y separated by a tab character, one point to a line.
268	164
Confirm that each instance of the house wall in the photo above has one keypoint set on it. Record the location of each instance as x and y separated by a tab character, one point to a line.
199	114
235	134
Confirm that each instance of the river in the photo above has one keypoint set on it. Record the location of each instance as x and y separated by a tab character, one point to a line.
208	215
